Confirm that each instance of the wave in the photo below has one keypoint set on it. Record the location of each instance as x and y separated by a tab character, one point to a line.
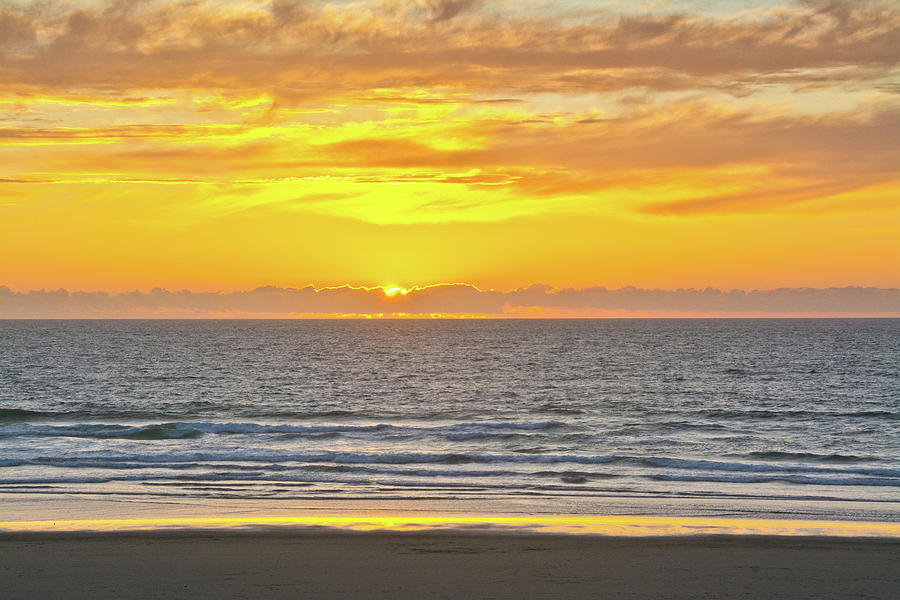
575	476
312	414
158	431
809	457
557	409
189	430
387	478
328	435
688	420
191	486
480	435
688	426
795	479
293	474
274	458
717	413
19	414
203	458
714	465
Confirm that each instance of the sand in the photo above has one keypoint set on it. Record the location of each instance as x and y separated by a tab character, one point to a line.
420	565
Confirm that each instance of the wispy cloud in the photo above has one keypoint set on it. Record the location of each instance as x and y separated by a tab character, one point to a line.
414	113
303	45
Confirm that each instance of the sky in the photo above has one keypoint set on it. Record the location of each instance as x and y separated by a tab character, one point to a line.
376	144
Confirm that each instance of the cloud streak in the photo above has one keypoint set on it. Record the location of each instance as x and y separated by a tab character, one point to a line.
301	46
450	300
269	89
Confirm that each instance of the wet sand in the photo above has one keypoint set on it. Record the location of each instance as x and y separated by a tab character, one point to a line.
211	564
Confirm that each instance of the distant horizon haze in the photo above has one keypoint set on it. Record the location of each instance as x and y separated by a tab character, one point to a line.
453	301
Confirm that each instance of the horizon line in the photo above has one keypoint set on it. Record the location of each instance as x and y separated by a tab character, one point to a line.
454	301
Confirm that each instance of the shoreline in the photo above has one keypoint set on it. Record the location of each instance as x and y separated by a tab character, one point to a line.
327	565
572	525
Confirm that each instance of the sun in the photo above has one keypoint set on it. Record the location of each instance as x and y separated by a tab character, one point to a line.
394	291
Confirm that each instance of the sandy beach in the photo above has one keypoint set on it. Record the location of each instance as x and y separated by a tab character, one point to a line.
283	564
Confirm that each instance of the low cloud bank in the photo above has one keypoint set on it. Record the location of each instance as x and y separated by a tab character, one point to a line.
452	300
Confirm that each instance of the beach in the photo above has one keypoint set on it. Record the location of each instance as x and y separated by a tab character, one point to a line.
303	564
545	459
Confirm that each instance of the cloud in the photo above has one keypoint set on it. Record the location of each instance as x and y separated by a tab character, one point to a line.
299	50
450	300
444	10
684	158
554	108
15	30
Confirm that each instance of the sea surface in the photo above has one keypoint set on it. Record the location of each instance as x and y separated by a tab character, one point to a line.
749	418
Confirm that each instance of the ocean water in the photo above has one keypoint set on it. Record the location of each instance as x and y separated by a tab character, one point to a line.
797	418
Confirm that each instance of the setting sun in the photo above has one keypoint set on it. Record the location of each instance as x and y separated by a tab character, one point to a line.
394	291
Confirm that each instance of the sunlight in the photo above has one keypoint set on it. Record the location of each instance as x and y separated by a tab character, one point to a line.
631	526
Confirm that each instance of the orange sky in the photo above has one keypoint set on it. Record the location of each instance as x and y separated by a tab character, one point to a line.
228	145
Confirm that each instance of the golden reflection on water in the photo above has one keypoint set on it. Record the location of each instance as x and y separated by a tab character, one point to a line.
478	523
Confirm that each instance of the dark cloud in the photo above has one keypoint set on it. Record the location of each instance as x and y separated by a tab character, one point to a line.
444	10
285	12
449	299
15	30
296	49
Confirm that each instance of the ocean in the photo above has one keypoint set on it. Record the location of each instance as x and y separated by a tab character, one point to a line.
775	418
